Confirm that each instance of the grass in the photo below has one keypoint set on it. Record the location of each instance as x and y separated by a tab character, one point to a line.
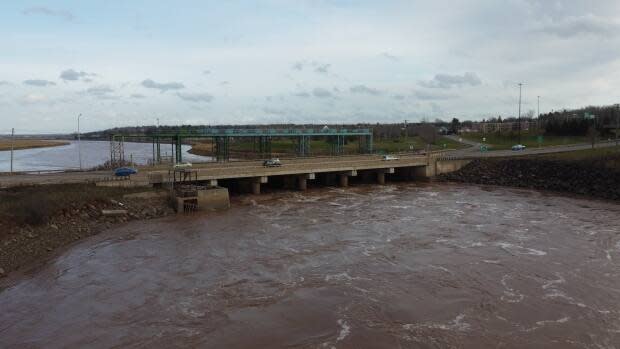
497	141
321	147
5	144
34	205
609	155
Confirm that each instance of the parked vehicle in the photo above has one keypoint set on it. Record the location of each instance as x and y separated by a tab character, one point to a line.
275	162
125	171
389	158
518	147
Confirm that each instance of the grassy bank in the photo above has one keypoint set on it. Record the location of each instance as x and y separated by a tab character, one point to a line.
5	144
497	141
321	147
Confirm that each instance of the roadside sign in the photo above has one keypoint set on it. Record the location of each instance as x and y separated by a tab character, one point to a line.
483	148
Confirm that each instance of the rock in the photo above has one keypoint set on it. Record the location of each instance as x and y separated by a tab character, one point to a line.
2	272
54	226
30	235
113	213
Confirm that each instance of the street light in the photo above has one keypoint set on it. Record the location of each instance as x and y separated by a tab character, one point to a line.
79	142
519	120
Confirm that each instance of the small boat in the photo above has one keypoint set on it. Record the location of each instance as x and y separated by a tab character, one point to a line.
125	171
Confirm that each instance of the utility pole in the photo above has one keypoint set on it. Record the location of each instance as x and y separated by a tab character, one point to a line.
79	142
617	122
520	85
12	141
538	112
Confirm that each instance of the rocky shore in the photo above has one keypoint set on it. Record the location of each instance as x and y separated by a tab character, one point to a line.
589	178
24	244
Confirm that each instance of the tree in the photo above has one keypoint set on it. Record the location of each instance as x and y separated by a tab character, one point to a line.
455	125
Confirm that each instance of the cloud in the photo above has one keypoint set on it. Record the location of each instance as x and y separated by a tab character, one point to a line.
40	83
447	81
364	89
321	93
398	97
322	68
206	72
195	97
589	24
137	96
2	83
45	11
34	98
72	75
433	95
101	92
163	87
301	94
390	57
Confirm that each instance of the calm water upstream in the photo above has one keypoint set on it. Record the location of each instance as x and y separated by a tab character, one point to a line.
408	265
94	153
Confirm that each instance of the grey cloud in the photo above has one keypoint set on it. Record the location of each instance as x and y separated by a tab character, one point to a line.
398	97
582	25
40	83
4	83
72	75
322	68
321	93
428	95
206	72
195	97
301	94
447	81
41	10
389	56
101	92
364	89
298	66
224	83
137	96
274	111
163	87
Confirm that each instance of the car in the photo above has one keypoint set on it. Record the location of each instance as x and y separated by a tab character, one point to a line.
518	147
125	171
272	162
182	165
389	158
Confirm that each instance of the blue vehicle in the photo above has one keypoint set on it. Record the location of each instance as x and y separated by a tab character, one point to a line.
125	171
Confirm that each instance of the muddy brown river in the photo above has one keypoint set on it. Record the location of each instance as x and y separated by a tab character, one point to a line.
397	266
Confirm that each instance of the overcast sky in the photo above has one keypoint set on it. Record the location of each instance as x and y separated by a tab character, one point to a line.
127	63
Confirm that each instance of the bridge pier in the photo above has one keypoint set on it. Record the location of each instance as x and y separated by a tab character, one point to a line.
381	174
343	180
256	182
302	181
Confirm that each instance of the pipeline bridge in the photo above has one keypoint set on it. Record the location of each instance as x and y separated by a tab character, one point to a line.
261	139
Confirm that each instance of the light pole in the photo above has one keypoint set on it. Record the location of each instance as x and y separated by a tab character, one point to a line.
79	142
538	112
519	119
12	141
617	122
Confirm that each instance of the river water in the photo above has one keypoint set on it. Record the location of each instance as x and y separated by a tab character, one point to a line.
94	153
406	265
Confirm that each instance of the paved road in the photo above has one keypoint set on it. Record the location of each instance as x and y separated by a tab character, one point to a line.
474	150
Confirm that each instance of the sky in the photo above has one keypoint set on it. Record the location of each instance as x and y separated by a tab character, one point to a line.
127	63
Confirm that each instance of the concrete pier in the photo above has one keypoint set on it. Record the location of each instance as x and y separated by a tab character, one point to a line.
381	177
343	180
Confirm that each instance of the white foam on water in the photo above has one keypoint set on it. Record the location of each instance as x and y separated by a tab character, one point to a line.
551	283
510	295
558	321
455	325
344	276
345	330
491	261
520	249
440	268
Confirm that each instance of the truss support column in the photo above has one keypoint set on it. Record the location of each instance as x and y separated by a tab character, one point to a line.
179	152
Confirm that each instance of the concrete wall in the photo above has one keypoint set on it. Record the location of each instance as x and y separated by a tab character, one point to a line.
213	199
446	166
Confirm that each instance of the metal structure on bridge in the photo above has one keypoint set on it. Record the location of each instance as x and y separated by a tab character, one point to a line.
261	140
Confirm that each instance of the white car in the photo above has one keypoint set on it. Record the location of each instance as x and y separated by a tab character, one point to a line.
272	163
182	165
518	147
389	158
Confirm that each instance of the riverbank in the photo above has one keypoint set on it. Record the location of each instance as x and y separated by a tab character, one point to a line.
19	144
596	177
35	221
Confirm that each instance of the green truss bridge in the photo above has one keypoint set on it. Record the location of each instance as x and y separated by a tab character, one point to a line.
262	139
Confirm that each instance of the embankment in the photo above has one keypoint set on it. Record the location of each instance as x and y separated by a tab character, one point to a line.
591	178
35	221
18	144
